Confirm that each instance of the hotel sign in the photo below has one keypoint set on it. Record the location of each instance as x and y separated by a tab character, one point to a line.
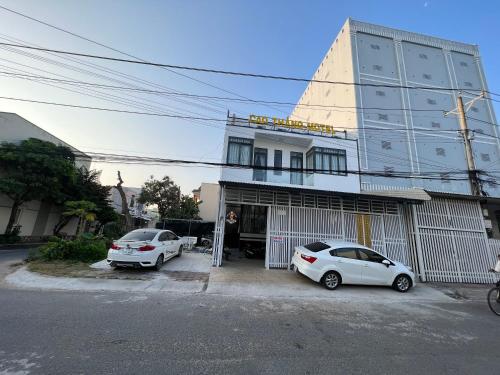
291	124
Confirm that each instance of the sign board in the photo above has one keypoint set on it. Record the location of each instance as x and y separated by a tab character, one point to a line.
276	122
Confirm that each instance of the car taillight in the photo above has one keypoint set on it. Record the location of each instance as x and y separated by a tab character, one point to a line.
146	248
308	258
115	247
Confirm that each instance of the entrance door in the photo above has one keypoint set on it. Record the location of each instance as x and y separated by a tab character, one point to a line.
296	162
259	160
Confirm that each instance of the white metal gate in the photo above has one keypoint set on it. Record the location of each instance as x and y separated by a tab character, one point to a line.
452	241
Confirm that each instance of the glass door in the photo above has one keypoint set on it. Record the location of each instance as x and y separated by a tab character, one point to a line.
259	160
296	162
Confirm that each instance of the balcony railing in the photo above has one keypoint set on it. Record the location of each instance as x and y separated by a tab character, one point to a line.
283	177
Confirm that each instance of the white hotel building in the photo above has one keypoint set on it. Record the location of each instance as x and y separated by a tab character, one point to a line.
390	129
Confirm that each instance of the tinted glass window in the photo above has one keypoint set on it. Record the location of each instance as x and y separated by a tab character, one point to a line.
171	236
346	253
370	256
163	237
138	235
316	246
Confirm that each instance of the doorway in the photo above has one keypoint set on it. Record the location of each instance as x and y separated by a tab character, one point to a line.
245	234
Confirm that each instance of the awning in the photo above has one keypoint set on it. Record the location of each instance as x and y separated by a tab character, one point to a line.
410	194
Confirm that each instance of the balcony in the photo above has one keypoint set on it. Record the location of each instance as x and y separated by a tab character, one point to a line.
283	177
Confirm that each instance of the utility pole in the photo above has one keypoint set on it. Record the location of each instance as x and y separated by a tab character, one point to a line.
460	111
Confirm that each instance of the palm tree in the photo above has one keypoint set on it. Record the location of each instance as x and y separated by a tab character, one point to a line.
85	211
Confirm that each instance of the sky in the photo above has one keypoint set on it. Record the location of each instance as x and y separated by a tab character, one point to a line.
287	38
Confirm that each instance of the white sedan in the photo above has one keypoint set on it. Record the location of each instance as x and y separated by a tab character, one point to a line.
144	248
334	262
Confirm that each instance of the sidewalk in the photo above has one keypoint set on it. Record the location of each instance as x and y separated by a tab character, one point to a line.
464	292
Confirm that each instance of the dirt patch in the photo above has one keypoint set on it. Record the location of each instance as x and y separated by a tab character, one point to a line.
79	269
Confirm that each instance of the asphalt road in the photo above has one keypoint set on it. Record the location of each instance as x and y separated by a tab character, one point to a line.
115	333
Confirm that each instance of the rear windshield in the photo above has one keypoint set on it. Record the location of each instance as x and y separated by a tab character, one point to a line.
138	236
316	246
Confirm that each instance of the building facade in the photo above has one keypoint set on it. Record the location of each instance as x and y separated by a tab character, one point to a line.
282	186
399	85
35	218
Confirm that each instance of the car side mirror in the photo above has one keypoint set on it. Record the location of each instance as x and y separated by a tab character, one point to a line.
386	262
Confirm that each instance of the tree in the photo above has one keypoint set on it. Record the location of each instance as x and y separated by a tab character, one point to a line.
188	208
162	193
34	170
85	211
125	210
87	187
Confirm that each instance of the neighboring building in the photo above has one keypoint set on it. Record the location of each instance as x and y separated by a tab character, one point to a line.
292	183
143	217
412	135
35	218
208	197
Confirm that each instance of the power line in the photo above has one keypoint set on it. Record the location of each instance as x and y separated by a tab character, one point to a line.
234	73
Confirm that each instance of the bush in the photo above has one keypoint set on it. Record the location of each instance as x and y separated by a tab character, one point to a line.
11	237
86	248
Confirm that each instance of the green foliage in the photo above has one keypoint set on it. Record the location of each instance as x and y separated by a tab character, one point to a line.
113	231
166	195
86	248
162	193
12	236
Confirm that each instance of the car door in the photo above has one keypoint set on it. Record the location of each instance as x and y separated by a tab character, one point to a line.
349	265
374	271
171	244
163	241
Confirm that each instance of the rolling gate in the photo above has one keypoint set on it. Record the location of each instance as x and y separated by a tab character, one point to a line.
295	219
451	241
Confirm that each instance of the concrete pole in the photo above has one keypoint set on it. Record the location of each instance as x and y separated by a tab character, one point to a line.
474	183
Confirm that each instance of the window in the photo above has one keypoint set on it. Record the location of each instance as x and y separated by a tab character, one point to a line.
379	93
139	235
422	56
377	68
316	246
370	256
386	145
463	63
468	84
485	157
382	117
431	101
445	177
435	124
347	252
260	160
278	161
375	46
239	151
440	151
426	76
327	160
163	237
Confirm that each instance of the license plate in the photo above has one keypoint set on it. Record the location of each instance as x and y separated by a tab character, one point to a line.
127	251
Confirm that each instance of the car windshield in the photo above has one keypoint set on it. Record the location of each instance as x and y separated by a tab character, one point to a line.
139	236
316	246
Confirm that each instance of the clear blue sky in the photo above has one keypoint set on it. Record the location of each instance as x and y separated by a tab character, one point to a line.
271	37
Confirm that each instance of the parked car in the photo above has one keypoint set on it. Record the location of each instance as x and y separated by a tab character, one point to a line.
144	248
334	262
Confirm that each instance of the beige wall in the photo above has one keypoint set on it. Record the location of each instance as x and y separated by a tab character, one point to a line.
14	128
209	196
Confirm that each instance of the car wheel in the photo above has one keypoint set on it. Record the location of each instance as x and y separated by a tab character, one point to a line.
331	280
159	263
402	283
179	252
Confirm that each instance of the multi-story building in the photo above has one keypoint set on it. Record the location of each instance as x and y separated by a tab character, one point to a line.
398	85
286	183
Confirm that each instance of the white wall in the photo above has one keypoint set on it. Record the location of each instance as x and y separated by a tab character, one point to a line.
209	196
289	142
